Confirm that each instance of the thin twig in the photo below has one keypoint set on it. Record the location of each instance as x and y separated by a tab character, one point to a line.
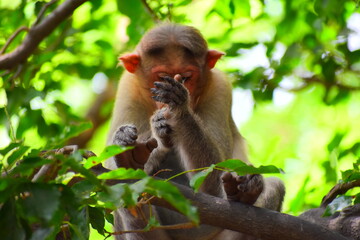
38	32
42	11
5	73
151	12
12	37
338	189
313	79
12	132
162	170
19	68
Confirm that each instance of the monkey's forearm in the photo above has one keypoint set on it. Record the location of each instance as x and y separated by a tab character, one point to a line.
196	142
198	150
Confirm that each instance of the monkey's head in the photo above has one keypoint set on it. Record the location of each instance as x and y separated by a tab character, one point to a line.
169	50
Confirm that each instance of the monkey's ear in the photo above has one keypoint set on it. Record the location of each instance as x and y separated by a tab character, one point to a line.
130	61
213	56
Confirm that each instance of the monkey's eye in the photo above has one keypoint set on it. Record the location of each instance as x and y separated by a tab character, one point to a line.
186	76
162	75
184	79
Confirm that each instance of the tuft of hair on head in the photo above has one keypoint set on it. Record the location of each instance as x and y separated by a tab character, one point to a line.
188	38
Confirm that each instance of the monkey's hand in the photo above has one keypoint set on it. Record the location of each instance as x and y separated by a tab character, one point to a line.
171	92
159	124
126	135
134	158
245	189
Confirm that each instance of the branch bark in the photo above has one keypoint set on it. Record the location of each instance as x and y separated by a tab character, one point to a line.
37	33
258	222
338	189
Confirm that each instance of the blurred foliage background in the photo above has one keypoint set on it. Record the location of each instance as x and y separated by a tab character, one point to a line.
295	67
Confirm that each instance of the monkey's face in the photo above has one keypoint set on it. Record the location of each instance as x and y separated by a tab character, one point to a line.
190	76
174	61
153	61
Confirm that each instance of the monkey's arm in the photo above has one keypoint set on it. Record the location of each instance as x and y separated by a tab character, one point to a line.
198	144
129	126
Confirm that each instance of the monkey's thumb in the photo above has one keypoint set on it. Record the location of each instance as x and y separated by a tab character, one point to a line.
151	144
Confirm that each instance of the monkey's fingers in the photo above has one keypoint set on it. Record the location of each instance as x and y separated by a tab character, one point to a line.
126	160
170	80
151	144
167	98
170	94
177	85
230	185
142	151
137	157
126	135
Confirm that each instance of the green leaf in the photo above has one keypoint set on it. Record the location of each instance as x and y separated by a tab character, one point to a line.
231	164
222	9
10	147
182	3
97	219
74	130
335	142
152	222
259	170
83	188
26	167
355	149
171	194
108	152
41	202
77	232
357	199
337	205
17	154
42	233
123	173
350	175
241	168
119	195
242	8
198	178
73	162
11	227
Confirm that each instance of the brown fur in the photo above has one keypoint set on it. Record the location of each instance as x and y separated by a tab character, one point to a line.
201	128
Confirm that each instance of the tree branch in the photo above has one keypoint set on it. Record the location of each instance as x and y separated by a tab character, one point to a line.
37	33
151	12
12	37
258	222
42	11
338	189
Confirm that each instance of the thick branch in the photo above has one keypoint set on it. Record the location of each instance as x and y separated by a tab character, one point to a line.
259	222
37	33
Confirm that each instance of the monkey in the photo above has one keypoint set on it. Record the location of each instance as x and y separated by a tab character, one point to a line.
174	107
